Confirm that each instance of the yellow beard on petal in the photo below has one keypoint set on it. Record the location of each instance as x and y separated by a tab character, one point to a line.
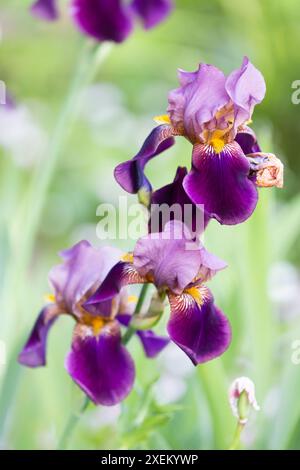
49	298
163	119
196	294
217	144
127	258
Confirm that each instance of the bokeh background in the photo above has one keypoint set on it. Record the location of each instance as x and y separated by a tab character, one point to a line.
173	405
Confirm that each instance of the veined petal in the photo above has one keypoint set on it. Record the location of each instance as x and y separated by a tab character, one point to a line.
247	140
197	326
221	182
152	12
101	365
104	20
122	274
34	352
45	10
246	88
130	175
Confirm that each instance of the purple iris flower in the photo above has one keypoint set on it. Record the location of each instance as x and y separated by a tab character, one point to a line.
212	111
108	20
179	267
97	362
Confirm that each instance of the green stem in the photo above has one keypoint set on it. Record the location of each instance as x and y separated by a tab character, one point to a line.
237	437
74	418
130	331
71	424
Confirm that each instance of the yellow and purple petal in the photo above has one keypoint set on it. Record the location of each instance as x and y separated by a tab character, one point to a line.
101	365
222	183
104	20
197	326
130	175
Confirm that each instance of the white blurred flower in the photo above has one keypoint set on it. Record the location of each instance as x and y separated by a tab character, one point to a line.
21	136
242	387
284	289
103	416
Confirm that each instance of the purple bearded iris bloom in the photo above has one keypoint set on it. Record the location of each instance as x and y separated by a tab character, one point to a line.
212	111
178	266
97	362
107	20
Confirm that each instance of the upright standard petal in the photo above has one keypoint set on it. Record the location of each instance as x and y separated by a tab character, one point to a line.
83	270
221	182
45	10
101	365
130	175
34	352
170	258
104	20
246	88
197	326
152	12
171	202
196	101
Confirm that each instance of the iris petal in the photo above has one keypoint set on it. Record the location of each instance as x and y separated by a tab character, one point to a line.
45	10
221	182
152	12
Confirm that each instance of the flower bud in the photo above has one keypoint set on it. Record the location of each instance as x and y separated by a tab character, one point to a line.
242	398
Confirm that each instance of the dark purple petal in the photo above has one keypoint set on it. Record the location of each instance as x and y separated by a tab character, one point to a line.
100	365
34	352
198	327
130	175
152	12
170	257
83	269
45	10
120	275
152	343
221	182
200	95
246	88
104	20
247	140
174	196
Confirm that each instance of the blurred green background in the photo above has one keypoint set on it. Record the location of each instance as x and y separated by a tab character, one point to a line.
173	405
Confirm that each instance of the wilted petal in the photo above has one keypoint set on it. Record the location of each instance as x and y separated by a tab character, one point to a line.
104	20
197	326
221	182
171	202
267	169
130	175
247	140
83	269
45	10
246	88
122	274
196	101
100	365
34	352
152	12
169	257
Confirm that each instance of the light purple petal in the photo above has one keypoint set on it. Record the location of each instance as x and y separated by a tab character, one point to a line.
174	196
221	182
104	20
130	175
34	352
152	12
246	88
45	10
196	101
101	365
170	257
83	269
152	343
201	330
